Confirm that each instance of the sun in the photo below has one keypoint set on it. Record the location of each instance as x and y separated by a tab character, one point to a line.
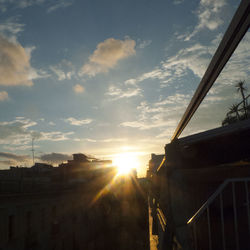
125	162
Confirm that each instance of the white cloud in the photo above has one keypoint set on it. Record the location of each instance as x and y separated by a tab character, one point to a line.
118	93
194	58
54	136
11	26
59	73
164	113
209	16
107	140
19	133
16	132
90	140
22	4
63	70
75	122
14	148
237	67
176	2
144	44
3	96
60	4
107	55
78	89
15	68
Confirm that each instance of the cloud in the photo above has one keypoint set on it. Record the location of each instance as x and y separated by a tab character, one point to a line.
16	127
4	163
55	158
59	5
78	89
164	113
19	147
22	4
63	70
209	16
99	141
176	2
59	73
174	72
54	136
75	122
15	66
118	93
52	124
237	67
107	55
19	133
11	156
194	58
18	4
90	140
144	44
3	96
13	159
11	26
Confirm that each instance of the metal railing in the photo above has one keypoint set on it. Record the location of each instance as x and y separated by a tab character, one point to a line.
217	237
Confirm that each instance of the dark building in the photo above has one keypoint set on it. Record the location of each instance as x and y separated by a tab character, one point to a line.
75	206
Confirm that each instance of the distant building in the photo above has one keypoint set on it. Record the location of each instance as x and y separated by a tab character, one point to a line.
154	163
42	167
46	208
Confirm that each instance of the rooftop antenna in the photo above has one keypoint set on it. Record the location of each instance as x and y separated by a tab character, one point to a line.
33	151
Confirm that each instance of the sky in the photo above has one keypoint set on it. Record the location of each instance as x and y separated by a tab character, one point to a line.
109	77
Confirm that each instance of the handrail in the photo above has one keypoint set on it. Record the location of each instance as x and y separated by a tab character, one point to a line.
214	196
235	32
162	162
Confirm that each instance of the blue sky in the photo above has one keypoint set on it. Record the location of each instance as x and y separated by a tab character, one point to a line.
104	77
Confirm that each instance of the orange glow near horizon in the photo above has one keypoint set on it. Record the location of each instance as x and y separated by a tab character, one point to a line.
125	162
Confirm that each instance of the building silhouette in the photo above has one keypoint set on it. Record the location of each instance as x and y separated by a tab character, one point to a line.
76	205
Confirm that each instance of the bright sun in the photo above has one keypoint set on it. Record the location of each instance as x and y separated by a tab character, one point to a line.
125	162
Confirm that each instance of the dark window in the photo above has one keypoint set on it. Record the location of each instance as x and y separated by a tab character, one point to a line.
42	218
54	222
28	222
11	227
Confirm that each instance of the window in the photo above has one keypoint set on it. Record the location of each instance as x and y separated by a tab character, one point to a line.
11	227
42	218
28	222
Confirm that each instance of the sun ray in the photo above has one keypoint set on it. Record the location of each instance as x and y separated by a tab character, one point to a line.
125	162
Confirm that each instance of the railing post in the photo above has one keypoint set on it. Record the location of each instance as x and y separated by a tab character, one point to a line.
235	218
247	205
222	222
209	229
195	236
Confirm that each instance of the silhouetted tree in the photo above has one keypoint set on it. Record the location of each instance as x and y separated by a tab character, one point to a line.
241	88
228	120
236	112
234	109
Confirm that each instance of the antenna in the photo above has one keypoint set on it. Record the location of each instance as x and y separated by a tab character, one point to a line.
33	150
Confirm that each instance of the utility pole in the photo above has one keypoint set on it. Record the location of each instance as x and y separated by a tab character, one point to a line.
33	151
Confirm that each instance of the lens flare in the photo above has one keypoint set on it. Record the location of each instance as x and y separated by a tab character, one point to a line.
125	162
